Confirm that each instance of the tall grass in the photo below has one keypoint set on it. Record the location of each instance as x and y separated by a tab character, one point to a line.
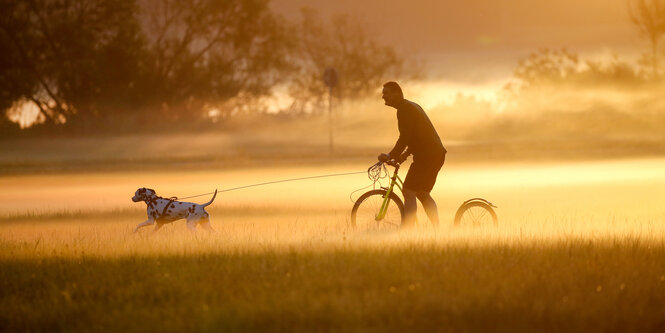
579	247
311	272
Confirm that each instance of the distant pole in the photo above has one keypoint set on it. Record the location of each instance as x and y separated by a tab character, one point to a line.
330	119
330	79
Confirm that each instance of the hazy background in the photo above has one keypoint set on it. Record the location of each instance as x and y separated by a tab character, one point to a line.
197	89
572	75
481	40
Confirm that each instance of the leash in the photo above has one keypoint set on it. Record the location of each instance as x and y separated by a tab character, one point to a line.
375	173
278	181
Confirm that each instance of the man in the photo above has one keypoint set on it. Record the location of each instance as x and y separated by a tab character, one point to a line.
418	136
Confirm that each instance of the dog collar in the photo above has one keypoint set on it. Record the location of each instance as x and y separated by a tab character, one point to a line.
153	200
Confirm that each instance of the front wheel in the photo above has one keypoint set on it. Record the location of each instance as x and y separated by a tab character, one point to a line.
477	213
366	210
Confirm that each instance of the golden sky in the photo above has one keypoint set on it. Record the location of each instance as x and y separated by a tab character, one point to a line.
479	42
497	25
475	45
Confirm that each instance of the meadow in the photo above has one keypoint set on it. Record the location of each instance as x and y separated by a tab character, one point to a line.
579	247
568	143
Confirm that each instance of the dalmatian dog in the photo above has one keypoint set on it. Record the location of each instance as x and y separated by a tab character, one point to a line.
162	211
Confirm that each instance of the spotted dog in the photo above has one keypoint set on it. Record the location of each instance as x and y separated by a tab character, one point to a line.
162	210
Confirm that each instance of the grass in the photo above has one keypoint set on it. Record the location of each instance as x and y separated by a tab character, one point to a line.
308	272
580	247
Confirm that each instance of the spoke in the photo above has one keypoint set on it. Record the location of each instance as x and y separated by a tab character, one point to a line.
483	214
476	216
375	207
473	215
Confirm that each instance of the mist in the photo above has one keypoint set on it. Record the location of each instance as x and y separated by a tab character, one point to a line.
551	114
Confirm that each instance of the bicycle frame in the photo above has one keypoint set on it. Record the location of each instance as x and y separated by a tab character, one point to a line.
394	180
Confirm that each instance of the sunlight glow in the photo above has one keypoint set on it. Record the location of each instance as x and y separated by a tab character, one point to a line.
25	113
432	93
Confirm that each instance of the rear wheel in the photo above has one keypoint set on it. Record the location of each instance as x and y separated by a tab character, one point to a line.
477	214
367	207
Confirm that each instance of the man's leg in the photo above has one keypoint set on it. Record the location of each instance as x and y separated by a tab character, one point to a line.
430	206
410	208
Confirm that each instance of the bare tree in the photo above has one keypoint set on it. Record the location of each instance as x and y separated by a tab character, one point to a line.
340	43
649	17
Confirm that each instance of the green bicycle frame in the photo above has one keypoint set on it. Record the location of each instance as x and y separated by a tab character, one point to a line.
394	180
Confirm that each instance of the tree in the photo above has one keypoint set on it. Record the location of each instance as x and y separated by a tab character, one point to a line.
649	18
90	62
69	58
546	67
561	75
205	52
562	68
361	62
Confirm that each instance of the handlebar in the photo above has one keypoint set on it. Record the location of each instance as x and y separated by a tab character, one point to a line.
391	162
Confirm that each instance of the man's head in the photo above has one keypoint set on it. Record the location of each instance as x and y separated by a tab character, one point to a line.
392	94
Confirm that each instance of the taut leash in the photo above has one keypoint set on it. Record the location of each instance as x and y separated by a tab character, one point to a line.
278	181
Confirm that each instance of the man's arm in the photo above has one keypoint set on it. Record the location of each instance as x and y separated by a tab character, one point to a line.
405	126
404	155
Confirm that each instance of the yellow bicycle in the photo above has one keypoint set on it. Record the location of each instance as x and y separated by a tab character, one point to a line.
383	209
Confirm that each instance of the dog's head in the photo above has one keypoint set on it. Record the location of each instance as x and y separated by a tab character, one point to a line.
144	194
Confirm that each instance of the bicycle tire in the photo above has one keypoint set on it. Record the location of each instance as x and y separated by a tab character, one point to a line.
476	213
369	204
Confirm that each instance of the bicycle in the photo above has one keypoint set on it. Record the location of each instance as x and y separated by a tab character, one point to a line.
383	209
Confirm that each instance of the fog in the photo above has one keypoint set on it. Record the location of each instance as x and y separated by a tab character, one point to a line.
483	38
560	195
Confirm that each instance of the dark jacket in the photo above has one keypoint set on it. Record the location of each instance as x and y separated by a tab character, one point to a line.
416	132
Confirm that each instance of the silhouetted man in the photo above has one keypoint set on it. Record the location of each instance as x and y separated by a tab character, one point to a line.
418	136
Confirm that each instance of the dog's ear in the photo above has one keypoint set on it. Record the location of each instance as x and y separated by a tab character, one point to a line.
153	191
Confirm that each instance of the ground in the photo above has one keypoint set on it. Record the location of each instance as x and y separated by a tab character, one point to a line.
579	246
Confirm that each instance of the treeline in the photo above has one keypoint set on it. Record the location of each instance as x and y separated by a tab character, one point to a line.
105	65
562	80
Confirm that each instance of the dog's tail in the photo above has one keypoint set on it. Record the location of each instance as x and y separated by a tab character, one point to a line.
211	200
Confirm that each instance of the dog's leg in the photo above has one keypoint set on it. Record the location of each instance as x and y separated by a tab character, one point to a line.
191	225
157	226
205	222
144	224
206	225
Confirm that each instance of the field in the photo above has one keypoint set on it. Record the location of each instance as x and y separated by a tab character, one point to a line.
580	245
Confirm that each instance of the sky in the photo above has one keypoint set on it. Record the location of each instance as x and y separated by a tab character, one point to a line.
481	40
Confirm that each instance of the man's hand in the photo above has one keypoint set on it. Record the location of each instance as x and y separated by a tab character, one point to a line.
383	157
402	158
